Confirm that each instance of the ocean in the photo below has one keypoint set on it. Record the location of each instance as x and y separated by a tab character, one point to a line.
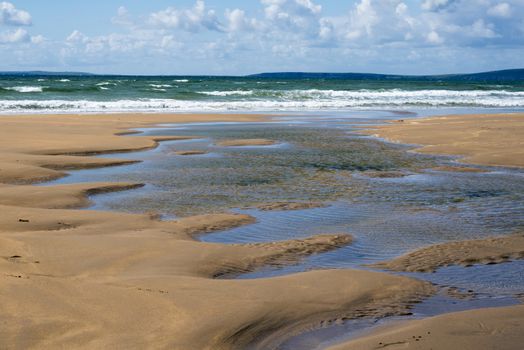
166	94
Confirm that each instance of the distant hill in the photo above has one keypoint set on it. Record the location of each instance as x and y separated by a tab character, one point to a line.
500	75
43	73
508	75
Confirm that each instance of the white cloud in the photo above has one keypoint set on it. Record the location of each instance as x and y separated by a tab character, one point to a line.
435	5
191	20
293	14
122	17
479	29
15	36
10	15
500	10
238	21
309	5
38	39
363	19
434	38
326	30
77	37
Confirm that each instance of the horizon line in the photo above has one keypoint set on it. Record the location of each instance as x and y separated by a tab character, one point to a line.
45	72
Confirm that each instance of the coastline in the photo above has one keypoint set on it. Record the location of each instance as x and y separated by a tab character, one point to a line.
134	270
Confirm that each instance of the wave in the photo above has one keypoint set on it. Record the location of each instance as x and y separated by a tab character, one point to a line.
228	93
181	80
105	83
25	88
64	80
158	86
394	94
343	101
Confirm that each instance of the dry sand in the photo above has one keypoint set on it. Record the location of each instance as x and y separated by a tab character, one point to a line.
466	253
486	139
485	329
89	279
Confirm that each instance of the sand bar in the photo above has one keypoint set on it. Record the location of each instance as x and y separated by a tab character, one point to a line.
485	139
466	253
190	152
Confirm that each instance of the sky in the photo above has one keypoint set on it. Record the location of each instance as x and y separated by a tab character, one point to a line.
234	37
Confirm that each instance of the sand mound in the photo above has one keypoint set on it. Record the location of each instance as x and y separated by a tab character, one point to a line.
466	253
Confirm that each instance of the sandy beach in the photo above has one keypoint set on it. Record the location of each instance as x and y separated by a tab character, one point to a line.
93	279
88	279
262	175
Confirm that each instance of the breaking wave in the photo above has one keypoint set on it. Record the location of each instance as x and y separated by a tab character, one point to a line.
297	100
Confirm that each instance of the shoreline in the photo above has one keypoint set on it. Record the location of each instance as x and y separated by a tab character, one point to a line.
145	269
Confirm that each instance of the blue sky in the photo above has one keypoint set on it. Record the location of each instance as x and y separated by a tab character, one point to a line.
242	37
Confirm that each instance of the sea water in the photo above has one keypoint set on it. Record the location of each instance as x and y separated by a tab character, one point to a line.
94	94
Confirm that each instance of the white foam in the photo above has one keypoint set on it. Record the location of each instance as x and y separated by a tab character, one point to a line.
276	100
181	81
228	93
160	85
64	80
25	88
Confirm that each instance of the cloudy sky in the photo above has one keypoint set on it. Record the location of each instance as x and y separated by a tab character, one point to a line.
251	36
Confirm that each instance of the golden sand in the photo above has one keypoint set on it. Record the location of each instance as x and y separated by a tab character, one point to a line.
466	253
90	279
485	139
484	329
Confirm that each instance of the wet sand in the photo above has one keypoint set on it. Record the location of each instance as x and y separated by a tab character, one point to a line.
75	278
494	328
485	139
466	253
